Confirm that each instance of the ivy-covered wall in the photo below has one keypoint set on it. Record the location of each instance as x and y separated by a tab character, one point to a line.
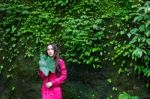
89	33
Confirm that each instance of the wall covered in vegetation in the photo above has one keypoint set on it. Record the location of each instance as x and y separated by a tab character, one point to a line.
90	34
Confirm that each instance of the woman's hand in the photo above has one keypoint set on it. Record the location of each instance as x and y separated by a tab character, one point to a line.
48	85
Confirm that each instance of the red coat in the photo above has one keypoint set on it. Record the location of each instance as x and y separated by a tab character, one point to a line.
54	92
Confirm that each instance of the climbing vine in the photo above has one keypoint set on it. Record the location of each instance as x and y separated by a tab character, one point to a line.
134	51
88	33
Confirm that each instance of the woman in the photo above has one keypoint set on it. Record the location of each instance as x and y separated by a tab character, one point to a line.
51	87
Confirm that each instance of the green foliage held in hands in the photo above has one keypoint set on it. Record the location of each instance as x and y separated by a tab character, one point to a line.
46	64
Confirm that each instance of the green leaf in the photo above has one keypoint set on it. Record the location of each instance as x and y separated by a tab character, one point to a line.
95	49
134	31
125	95
87	53
138	18
142	28
138	53
147	23
148	41
147	33
46	64
45	70
109	80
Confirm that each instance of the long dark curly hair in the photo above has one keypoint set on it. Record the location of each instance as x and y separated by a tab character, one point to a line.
56	58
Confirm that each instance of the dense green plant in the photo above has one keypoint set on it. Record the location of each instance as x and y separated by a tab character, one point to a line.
125	95
31	28
140	39
10	23
88	33
83	36
134	51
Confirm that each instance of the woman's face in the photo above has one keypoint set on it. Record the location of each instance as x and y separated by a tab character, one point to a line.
50	50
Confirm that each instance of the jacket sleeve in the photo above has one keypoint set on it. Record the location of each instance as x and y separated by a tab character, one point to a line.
41	75
63	75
